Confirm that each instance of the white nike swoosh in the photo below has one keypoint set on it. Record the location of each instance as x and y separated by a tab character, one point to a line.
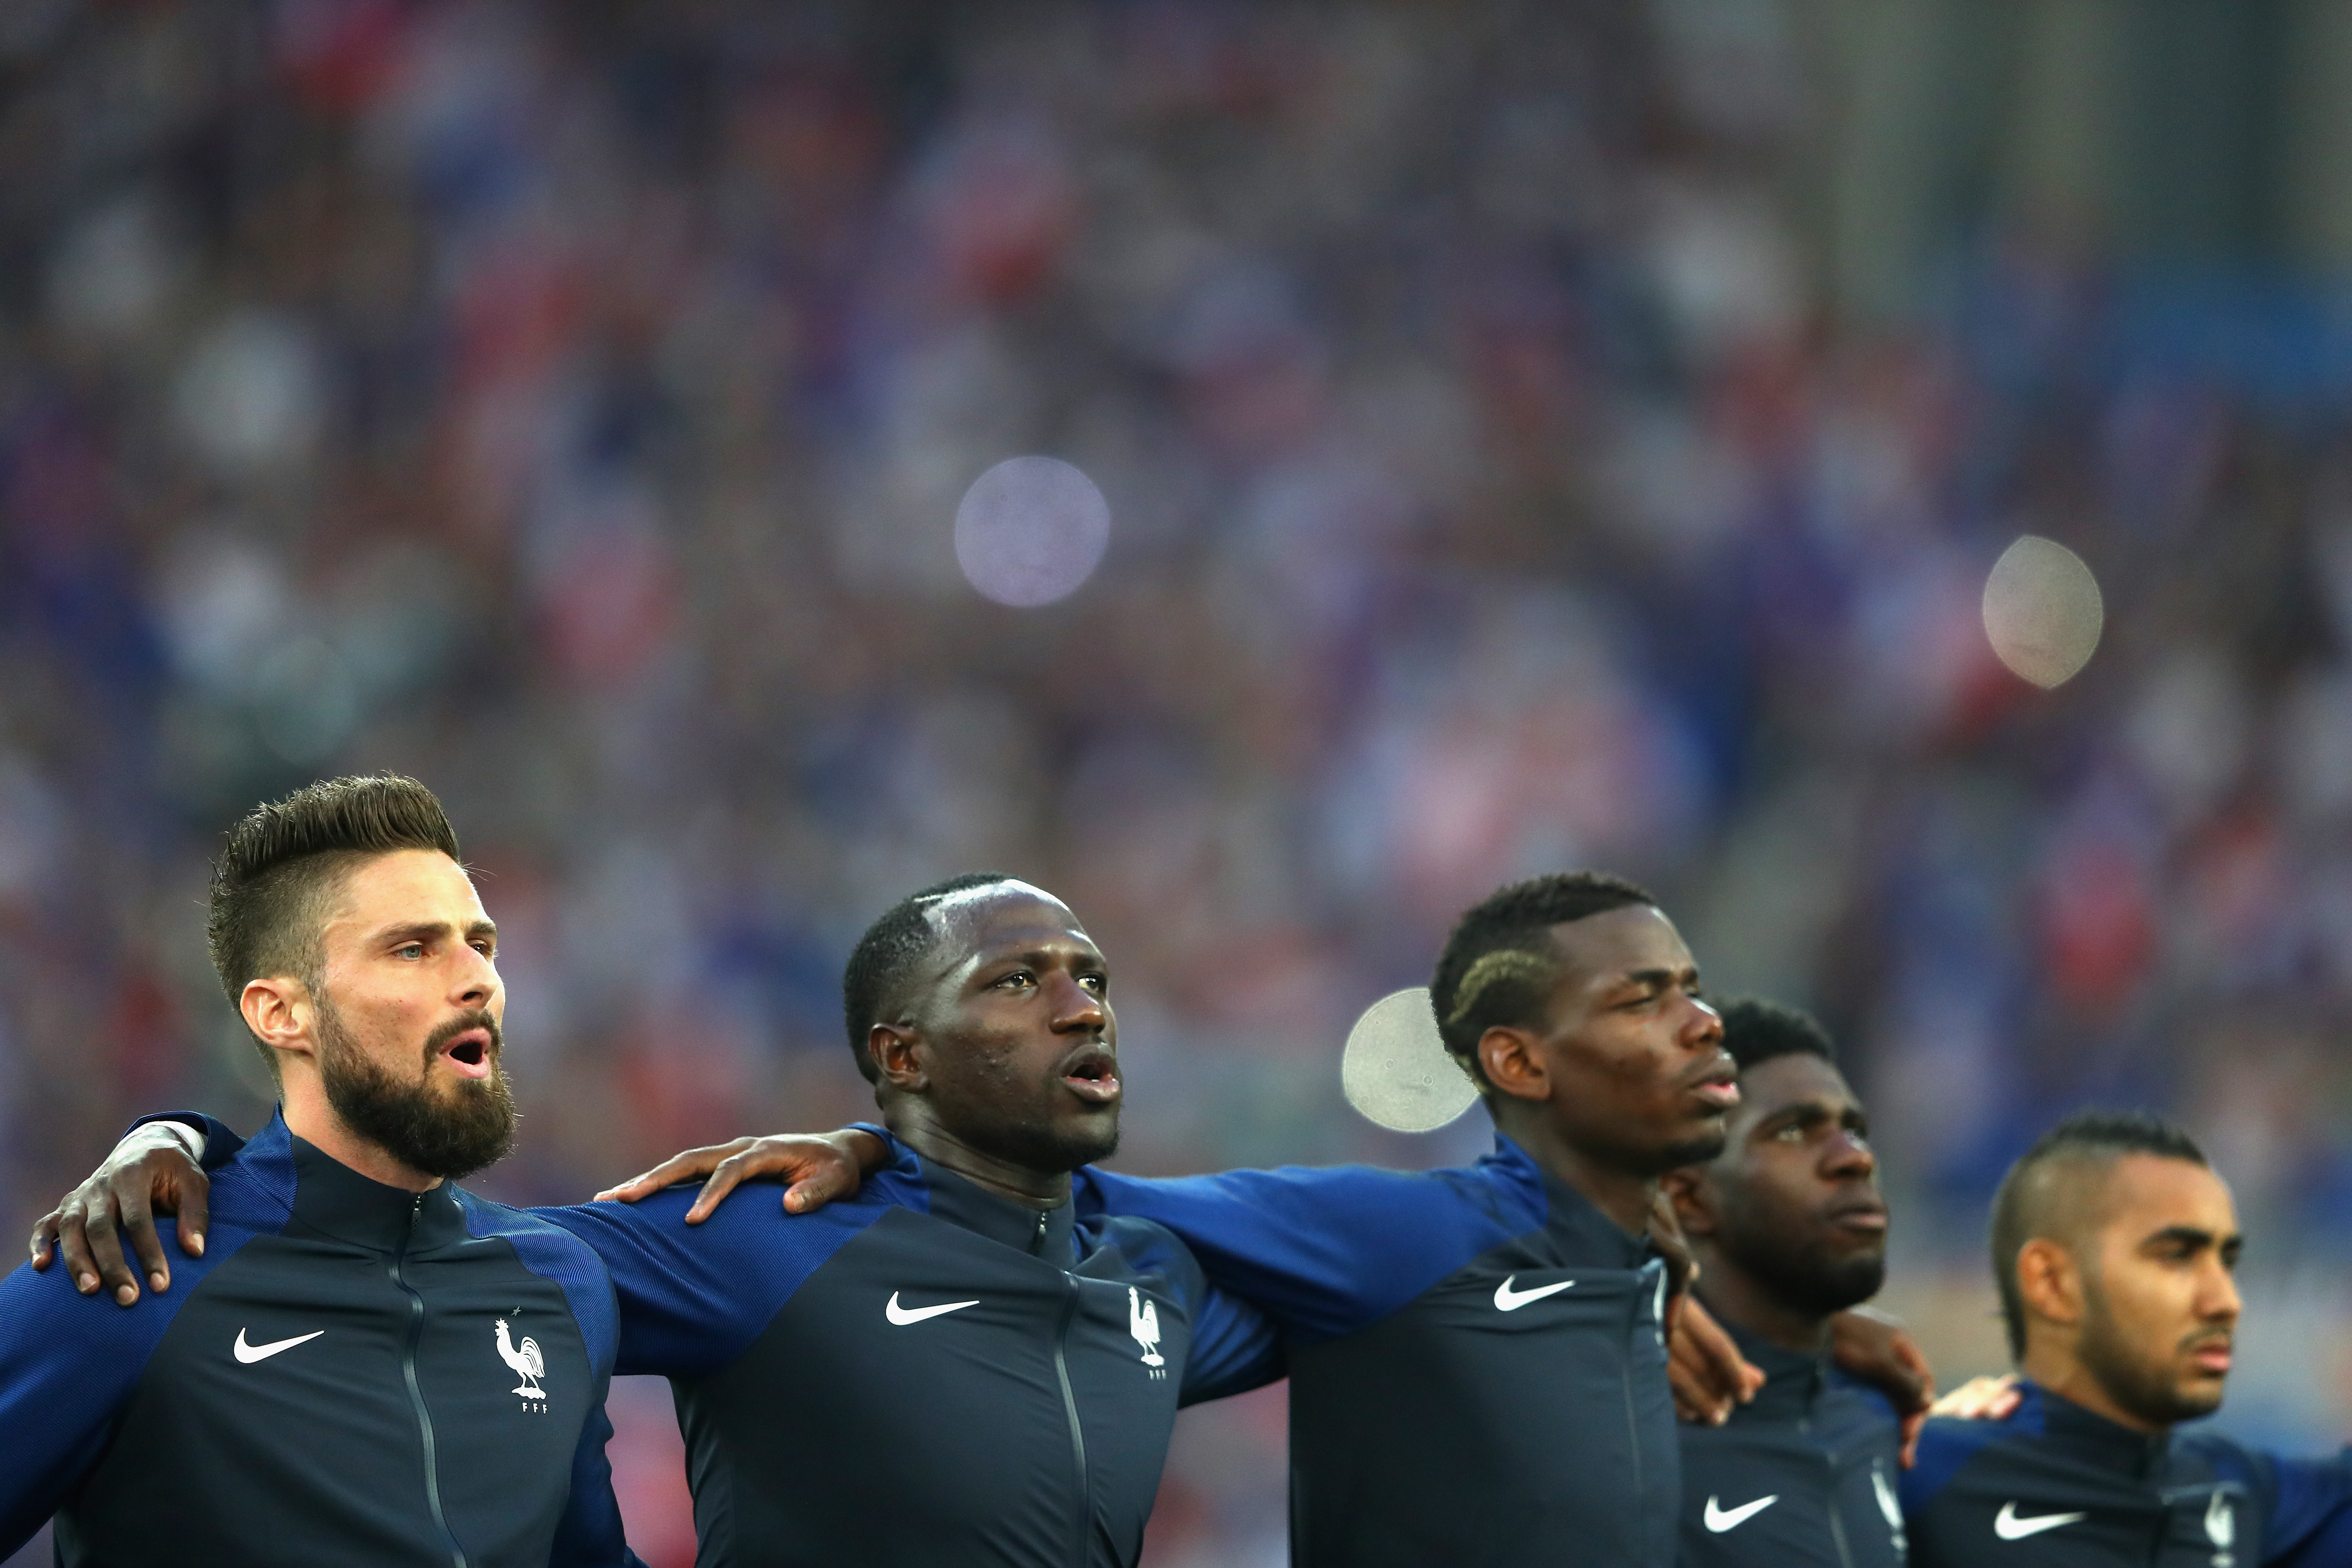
2009	1527
1719	1520
251	1354
902	1316
1509	1301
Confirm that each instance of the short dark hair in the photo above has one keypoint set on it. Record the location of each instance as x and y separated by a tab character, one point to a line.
284	860
1498	965
1756	1030
890	950
2031	1197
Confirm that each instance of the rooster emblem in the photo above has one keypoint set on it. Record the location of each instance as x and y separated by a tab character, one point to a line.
1143	1322
528	1364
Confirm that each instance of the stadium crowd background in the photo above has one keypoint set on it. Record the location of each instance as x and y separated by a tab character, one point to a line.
1535	435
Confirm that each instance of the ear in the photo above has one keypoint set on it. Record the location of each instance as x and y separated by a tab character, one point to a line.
277	1010
894	1049
1513	1064
1693	1197
2050	1282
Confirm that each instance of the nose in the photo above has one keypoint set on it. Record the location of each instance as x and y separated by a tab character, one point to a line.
476	983
1702	1026
1847	1156
1075	1007
2218	1300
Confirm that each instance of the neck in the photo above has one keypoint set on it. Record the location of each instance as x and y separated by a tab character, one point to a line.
1627	1198
2056	1369
312	1118
1736	1298
912	1122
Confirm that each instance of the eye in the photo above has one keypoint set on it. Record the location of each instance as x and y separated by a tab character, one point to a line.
409	949
1792	1133
1098	984
1018	979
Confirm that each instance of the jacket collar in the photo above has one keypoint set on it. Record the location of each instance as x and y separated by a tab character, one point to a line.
1043	1233
331	1199
1793	1380
2090	1436
1586	1235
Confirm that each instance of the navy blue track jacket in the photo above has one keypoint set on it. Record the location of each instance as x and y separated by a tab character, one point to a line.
1801	1477
350	1373
1477	1358
924	1375
2055	1486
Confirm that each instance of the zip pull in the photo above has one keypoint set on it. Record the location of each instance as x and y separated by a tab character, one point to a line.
1037	1242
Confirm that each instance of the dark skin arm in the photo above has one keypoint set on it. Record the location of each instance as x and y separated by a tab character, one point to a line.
153	1175
148	1173
1881	1353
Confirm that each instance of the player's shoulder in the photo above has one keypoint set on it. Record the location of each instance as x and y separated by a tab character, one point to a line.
1145	1247
544	1247
1950	1446
41	1309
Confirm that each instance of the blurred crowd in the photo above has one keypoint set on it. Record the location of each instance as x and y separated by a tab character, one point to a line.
569	405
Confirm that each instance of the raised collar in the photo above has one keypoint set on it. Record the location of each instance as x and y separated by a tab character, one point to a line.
1793	1380
333	1200
1040	1232
1586	1235
2090	1436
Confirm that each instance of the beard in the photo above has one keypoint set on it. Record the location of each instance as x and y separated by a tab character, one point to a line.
1806	1275
2137	1383
447	1134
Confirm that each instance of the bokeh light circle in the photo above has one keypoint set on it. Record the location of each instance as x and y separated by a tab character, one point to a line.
1031	531
2042	611
1395	1070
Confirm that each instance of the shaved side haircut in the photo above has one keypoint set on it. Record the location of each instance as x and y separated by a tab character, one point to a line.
275	884
2053	1190
1499	965
898	939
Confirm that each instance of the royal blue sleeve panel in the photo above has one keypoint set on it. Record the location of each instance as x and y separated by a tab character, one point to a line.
1325	1252
2309	1499
1234	1347
693	1297
1945	1445
553	1253
2329	1545
69	1363
222	1142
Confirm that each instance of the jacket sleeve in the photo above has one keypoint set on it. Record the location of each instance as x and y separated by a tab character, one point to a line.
2310	1514
1323	1252
590	1535
69	1363
693	1297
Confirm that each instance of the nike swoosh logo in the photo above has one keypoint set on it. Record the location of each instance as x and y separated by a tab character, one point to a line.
1509	1301
2009	1527
902	1316
251	1354
1719	1518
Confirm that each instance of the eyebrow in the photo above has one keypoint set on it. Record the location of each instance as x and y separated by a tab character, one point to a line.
2190	1235
422	931
1658	976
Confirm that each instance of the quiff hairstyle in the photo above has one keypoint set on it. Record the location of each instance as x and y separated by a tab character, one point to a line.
1500	964
2049	1192
275	883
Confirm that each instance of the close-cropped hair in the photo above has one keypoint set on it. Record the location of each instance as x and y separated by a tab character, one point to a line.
878	967
2047	1181
1756	1030
274	884
1499	965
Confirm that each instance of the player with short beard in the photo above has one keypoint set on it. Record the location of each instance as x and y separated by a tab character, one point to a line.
1788	1229
2114	1248
367	1363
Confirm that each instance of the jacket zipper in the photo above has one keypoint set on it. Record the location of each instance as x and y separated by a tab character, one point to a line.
416	1393
1838	1478
1632	1421
1078	1432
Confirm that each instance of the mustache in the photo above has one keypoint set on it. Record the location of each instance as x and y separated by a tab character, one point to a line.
470	1019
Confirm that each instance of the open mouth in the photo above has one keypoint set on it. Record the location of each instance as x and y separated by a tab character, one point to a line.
1093	1075
469	1053
1717	1088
